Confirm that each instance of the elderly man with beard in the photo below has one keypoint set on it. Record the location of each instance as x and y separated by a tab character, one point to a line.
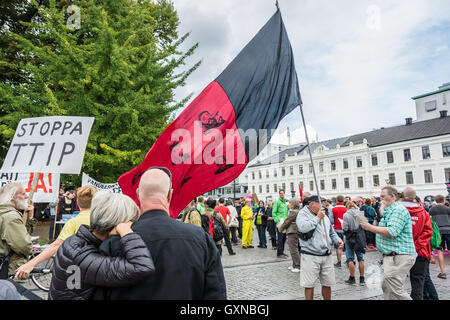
15	238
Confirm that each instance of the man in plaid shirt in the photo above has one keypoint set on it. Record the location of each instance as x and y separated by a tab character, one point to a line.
394	238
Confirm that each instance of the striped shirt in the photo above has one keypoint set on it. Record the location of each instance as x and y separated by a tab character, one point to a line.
398	222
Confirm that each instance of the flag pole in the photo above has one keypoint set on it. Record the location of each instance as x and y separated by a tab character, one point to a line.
310	155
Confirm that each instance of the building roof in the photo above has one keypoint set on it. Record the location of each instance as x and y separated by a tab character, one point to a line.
441	89
416	130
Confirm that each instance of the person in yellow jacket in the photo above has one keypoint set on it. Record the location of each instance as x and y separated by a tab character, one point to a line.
247	225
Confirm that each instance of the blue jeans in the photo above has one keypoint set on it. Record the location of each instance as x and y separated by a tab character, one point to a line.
351	255
262	235
429	291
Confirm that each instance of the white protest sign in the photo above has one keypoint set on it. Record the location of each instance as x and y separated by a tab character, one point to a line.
48	144
112	187
47	187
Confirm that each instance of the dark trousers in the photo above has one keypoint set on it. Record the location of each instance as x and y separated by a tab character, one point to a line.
429	291
272	233
53	226
280	244
417	278
226	237
233	235
370	238
262	235
3	268
240	228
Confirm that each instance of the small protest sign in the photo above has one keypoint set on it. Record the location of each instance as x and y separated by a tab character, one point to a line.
49	145
47	186
112	187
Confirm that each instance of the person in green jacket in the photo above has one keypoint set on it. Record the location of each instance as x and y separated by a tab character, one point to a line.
15	238
280	211
201	204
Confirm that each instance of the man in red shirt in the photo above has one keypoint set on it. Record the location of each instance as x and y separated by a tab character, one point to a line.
226	214
422	232
338	216
224	211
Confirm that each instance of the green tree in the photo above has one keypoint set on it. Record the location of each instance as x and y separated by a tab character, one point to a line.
120	66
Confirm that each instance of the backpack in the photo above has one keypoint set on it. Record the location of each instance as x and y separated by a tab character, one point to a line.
436	236
207	224
216	228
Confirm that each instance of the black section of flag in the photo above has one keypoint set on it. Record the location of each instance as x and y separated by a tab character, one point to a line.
261	82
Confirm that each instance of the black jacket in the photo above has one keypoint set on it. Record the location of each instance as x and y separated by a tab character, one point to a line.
263	217
188	265
95	269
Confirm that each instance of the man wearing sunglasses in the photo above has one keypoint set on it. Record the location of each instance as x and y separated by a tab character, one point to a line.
180	250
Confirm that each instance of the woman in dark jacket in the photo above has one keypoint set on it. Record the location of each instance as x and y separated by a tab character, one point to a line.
260	223
271	226
79	267
289	226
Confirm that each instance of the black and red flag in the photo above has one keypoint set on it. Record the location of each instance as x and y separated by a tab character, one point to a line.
210	143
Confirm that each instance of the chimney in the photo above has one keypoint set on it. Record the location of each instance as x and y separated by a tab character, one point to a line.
443	113
408	121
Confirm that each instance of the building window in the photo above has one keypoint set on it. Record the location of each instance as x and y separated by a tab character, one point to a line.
291	170
446	149
392	179
253	176
322	184
409	177
311	186
267	175
376	180
300	169
374	160
447	175
333	165
346	183
428	176
275	174
260	174
407	155
426	152
267	188
359	162
260	189
275	187
345	161
310	168
390	157
321	166
292	186
253	189
430	105
283	171
333	184
360	182
301	184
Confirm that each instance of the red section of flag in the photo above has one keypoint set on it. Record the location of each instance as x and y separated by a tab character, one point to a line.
189	150
301	193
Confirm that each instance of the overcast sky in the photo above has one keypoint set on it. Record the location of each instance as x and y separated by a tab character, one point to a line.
359	62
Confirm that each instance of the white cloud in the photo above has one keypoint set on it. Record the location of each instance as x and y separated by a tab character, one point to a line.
353	77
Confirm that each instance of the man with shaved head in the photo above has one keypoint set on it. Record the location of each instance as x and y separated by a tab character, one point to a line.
422	232
187	262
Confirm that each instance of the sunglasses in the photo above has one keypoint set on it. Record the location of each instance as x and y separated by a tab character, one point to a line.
168	173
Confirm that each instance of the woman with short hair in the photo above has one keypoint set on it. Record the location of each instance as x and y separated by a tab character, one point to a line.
111	213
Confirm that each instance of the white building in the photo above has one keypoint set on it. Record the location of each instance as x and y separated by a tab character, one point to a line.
415	154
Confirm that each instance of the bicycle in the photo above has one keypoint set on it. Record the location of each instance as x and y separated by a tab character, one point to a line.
24	291
41	279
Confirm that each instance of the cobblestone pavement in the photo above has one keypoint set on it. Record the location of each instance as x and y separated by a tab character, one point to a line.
257	274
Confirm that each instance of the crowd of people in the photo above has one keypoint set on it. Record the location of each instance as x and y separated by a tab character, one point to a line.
127	252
